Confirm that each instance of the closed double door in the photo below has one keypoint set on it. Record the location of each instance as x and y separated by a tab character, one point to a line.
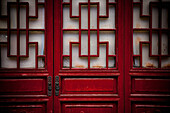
84	56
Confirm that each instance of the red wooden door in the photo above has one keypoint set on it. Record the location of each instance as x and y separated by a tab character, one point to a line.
147	50
88	56
26	53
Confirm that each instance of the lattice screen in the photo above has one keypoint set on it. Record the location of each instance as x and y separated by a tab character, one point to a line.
89	34
22	34
151	32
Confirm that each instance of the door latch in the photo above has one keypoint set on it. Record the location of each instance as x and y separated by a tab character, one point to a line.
49	86
57	87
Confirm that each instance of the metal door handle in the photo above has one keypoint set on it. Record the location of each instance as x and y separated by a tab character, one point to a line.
49	87
57	86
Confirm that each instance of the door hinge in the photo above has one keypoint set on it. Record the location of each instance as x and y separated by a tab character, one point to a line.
49	86
57	87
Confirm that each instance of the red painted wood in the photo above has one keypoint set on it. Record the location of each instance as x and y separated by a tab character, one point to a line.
89	108
150	107
22	108
146	89
57	50
89	85
150	85
122	89
160	30
25	90
88	56
22	85
18	4
92	90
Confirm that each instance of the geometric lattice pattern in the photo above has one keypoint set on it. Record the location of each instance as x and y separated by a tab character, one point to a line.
89	34
22	34
151	34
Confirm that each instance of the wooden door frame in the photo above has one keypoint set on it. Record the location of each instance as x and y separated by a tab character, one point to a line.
57	22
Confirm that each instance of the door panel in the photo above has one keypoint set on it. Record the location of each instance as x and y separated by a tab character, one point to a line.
152	107
25	67
22	108
145	85
22	86
89	107
89	85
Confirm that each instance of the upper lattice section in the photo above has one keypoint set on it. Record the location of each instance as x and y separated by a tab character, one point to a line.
151	34
22	34
89	34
